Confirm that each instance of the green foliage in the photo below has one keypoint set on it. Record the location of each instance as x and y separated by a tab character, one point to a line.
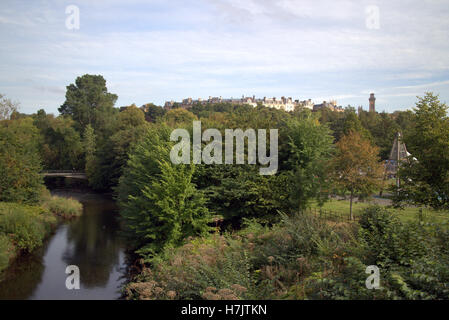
204	111
383	129
89	146
178	117
106	166
257	263
238	191
60	146
64	207
352	124
309	148
89	102
26	225
160	205
20	165
215	268
303	257
152	112
425	181
388	241
347	283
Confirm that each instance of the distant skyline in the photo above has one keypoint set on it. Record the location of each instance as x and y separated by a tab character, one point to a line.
156	51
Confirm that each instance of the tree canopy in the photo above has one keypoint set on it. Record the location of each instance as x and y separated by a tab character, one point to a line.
425	174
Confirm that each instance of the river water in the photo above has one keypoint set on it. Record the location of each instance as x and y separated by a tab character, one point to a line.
90	242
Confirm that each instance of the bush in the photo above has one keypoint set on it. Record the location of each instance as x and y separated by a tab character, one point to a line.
303	257
26	225
387	241
205	268
412	258
258	262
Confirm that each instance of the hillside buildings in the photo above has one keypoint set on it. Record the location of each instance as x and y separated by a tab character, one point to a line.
283	103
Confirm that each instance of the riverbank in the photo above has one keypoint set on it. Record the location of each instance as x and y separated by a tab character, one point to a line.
23	228
92	242
304	256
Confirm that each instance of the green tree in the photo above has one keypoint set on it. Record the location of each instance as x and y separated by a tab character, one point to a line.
112	152
60	143
20	164
159	203
153	112
425	181
179	116
309	147
382	128
356	167
89	145
89	102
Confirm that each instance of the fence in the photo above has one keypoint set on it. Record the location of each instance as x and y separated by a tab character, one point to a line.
332	215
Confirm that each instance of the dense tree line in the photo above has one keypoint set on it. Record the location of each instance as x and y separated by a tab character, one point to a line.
125	151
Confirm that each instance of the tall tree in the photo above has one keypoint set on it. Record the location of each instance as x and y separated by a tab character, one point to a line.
88	101
425	176
160	204
112	151
310	147
356	167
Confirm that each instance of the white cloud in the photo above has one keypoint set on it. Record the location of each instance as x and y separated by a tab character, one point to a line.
224	46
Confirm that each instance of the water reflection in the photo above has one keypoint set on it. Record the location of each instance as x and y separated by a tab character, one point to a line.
22	278
91	242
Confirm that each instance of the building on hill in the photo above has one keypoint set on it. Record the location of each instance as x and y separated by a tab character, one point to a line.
283	103
332	105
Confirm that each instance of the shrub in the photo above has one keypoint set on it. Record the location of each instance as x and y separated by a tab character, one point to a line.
387	241
26	225
205	268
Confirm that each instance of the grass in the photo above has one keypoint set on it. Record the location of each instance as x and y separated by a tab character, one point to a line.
341	207
66	208
24	227
6	248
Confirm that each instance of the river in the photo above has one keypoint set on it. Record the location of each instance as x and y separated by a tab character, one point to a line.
90	242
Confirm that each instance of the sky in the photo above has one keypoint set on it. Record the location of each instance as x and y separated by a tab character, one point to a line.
156	51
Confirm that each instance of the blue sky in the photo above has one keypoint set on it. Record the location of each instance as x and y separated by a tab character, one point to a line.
153	51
